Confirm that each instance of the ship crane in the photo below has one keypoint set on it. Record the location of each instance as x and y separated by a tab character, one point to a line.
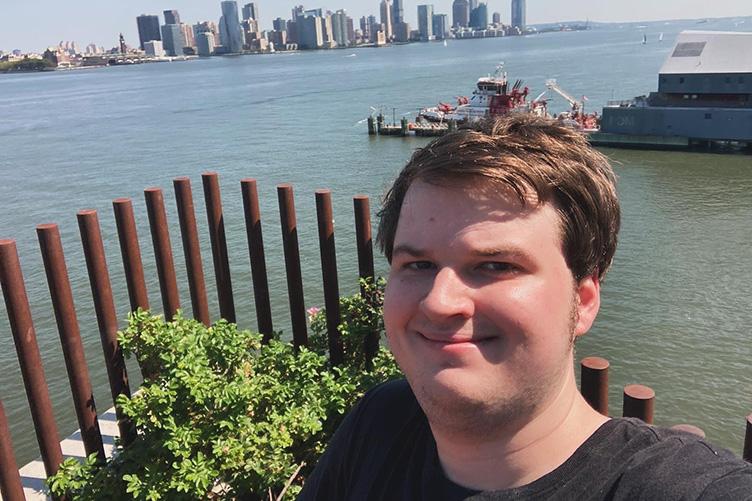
576	105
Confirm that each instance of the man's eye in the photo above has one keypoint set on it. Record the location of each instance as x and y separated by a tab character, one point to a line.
496	266
419	265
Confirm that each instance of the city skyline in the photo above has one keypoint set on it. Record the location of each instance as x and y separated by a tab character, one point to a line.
101	24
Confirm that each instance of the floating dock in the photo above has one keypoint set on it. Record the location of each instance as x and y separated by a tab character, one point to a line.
377	127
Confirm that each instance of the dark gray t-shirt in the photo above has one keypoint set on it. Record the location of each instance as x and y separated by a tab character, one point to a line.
384	450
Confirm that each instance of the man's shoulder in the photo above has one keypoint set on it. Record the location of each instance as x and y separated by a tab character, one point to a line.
673	464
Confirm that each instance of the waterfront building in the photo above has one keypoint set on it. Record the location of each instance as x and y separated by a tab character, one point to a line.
479	17
440	26
398	13
250	11
188	36
365	28
172	39
386	18
205	43
326	31
171	17
496	18
460	13
279	24
373	28
279	38
230	31
425	22
350	29
518	15
402	32
154	48
339	28
148	29
206	27
310	32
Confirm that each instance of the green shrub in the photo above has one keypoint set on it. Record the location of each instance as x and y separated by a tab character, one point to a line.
221	411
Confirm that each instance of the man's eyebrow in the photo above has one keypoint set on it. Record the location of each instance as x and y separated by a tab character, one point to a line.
407	249
500	252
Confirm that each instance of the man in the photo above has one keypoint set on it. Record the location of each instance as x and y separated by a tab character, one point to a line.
498	241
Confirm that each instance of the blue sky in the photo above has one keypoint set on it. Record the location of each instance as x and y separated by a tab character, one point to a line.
36	24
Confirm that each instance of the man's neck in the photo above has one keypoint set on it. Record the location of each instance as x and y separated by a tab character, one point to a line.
514	456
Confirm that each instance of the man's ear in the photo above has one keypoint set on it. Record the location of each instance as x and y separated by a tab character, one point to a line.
588	297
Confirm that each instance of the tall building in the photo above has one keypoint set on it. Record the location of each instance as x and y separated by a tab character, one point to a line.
339	28
188	37
148	29
496	18
172	39
518	14
206	27
472	4
386	18
279	24
230	31
205	43
479	17
460	13
398	13
171	17
402	32
440	26
326	30
250	11
425	22
154	48
310	32
365	28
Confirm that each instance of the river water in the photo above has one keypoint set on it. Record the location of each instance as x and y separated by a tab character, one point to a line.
676	312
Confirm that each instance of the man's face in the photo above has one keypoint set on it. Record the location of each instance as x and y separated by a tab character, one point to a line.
480	306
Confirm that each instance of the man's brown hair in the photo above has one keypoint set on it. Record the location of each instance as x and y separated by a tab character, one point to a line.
529	155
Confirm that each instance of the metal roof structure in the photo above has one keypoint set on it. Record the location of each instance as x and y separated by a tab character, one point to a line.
710	52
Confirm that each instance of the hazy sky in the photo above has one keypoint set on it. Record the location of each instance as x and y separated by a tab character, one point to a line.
35	24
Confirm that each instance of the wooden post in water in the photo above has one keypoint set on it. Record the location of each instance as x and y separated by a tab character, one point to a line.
192	250
258	261
131	252
219	245
160	236
329	271
27	349
70	338
11	488
104	305
292	264
594	383
639	402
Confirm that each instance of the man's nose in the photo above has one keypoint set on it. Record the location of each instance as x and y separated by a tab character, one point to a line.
448	296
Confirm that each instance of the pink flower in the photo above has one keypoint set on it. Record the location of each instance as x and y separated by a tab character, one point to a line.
313	311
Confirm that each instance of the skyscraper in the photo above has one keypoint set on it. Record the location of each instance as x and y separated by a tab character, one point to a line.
205	43
172	39
398	13
425	22
460	13
250	11
148	29
339	27
310	32
386	18
479	17
440	26
279	24
171	17
518	14
230	31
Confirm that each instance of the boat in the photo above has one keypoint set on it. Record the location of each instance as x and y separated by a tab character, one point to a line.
493	96
644	39
704	97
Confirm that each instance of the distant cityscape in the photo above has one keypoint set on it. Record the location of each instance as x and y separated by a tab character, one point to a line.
238	31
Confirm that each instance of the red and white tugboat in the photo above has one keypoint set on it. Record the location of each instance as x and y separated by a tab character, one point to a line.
493	97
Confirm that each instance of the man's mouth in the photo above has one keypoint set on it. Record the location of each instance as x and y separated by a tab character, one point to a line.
454	339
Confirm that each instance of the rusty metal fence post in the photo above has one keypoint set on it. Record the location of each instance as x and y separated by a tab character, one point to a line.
328	253
258	261
104	305
218	239
160	236
11	487
292	264
192	250
364	243
639	402
27	349
70	338
594	383
131	253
